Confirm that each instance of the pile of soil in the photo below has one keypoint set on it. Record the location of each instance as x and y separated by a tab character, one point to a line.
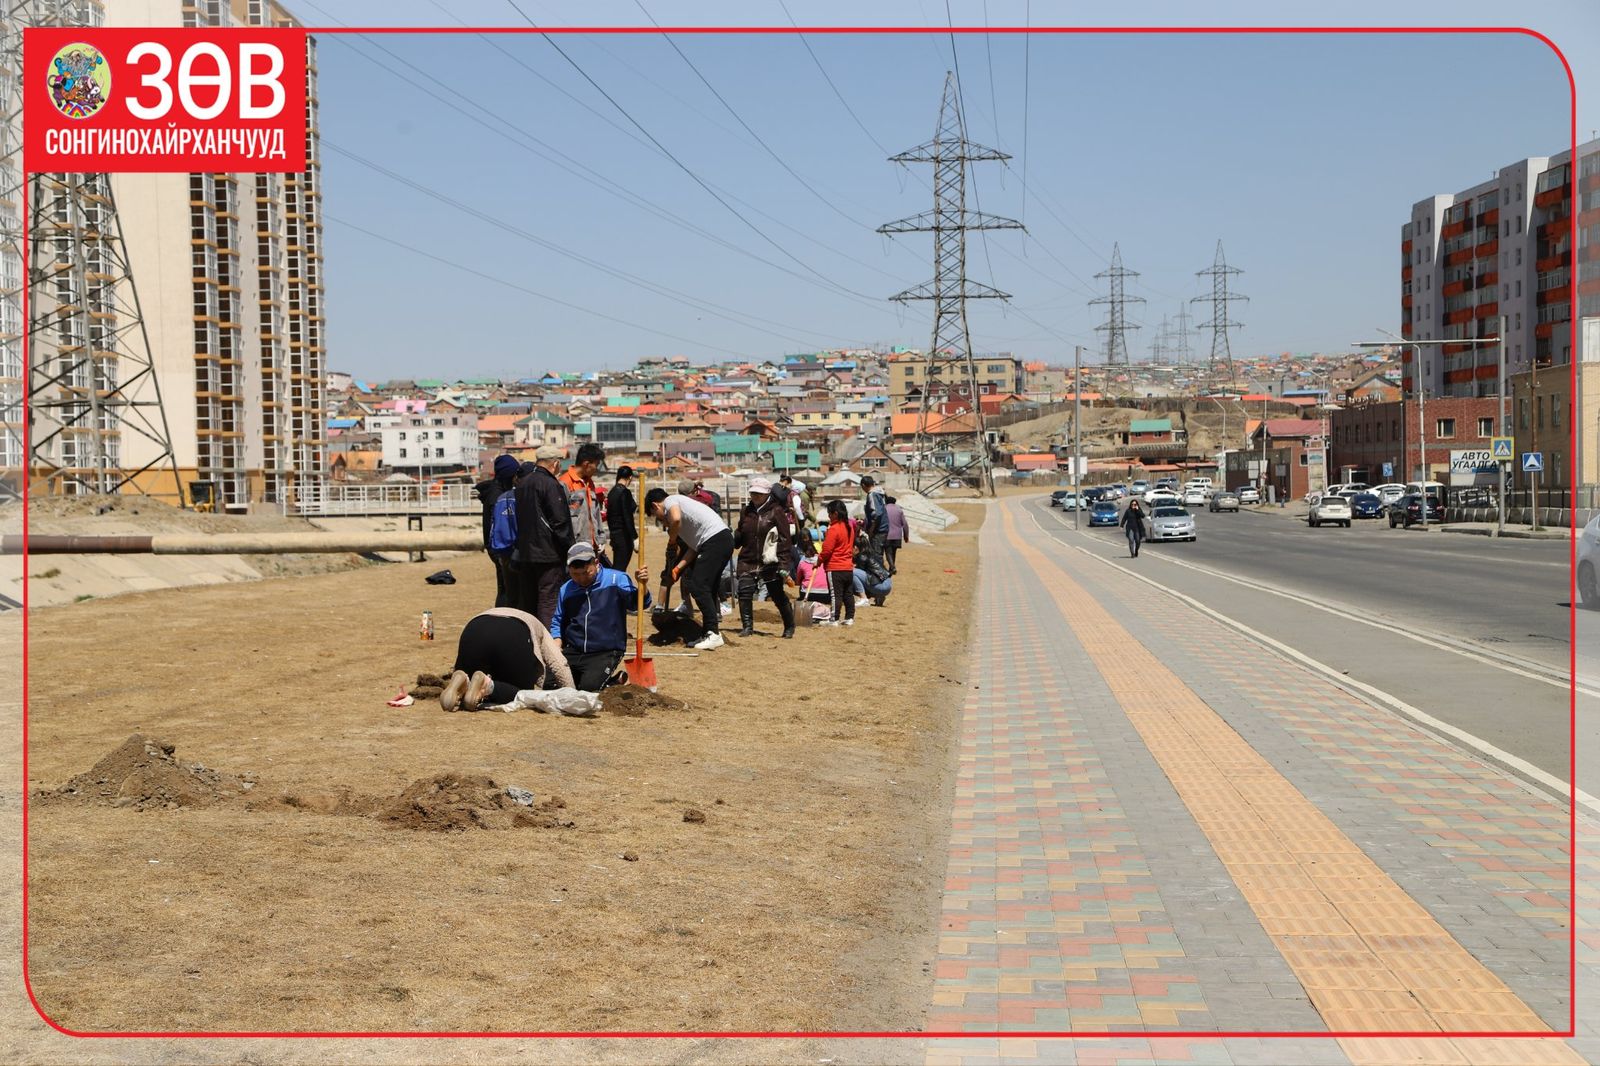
143	774
453	802
634	701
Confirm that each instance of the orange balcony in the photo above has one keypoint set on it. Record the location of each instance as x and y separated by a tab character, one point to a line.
1455	318
1550	197
1405	300
1453	229
1452	377
1543	329
1489	217
1488	310
1405	246
1454	288
1457	257
1405	384
1486	249
1488	371
1551	262
1405	273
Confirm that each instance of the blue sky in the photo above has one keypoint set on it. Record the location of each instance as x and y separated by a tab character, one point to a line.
533	226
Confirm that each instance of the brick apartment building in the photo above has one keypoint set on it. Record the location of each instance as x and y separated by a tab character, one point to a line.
1363	437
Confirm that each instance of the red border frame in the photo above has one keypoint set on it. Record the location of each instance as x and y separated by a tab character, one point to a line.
1192	1035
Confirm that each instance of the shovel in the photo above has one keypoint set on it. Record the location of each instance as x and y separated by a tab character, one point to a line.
641	669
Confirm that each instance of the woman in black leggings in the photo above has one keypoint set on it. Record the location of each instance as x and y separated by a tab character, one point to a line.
502	652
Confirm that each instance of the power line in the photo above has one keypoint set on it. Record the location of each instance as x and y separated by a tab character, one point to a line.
681	165
824	72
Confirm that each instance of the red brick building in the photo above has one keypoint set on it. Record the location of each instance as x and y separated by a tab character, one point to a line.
1363	437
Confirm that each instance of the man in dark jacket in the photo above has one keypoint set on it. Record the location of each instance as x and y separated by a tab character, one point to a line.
591	623
767	519
622	519
544	535
505	472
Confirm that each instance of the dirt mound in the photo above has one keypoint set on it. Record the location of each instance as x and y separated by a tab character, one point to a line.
633	701
454	802
143	774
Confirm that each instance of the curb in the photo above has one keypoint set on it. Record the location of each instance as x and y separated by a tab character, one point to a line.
1510	534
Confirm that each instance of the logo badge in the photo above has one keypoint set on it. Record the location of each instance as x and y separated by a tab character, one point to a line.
80	80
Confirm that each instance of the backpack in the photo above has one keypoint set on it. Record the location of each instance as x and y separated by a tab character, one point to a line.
503	525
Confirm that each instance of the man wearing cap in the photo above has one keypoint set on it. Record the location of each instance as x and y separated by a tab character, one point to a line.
489	492
875	514
622	519
584	498
765	542
591	620
544	535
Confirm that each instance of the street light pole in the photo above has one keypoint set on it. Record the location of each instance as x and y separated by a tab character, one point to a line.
1263	452
1077	435
1505	431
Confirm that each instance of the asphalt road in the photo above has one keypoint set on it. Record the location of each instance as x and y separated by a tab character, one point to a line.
1472	631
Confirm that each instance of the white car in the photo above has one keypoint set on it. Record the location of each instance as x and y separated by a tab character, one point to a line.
1171	523
1249	494
1388	492
1194	494
1162	498
1588	560
1329	508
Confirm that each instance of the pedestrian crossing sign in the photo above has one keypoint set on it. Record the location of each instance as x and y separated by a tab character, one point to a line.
1532	462
1501	447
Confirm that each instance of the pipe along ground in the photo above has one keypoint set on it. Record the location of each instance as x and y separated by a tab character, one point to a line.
470	540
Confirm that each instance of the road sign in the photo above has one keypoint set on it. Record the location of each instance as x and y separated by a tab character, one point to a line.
1532	462
1501	447
1471	460
1388	470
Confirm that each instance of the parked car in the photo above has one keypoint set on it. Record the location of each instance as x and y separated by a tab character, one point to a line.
1067	502
1171	523
1103	513
1166	483
1408	510
1223	500
1389	492
1366	505
1588	559
1249	494
1194	494
1328	508
1057	496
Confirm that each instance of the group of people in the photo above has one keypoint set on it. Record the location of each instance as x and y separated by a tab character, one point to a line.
561	546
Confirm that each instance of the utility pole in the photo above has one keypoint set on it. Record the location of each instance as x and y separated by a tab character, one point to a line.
950	353
1533	432
1505	431
1116	325
1220	323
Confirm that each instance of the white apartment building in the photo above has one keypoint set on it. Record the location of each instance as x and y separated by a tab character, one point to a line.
1496	255
431	442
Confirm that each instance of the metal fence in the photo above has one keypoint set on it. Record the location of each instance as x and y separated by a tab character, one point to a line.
332	499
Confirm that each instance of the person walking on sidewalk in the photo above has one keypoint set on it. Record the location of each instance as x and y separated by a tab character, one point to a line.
1133	525
838	559
544	534
702	545
622	519
765	539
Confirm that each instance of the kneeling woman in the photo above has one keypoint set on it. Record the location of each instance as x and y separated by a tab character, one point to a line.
502	652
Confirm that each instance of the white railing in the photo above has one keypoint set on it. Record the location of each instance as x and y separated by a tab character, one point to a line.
334	499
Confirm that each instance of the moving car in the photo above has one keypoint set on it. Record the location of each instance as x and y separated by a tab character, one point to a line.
1249	494
1163	498
1116	492
1408	509
1329	508
1103	513
1139	487
1194	494
1166	483
1223	500
1171	523
1389	492
1366	505
1588	559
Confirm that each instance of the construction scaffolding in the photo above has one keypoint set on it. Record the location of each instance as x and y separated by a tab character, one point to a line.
952	443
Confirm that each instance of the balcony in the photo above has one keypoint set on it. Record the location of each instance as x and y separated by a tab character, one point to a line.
1487	249
1550	197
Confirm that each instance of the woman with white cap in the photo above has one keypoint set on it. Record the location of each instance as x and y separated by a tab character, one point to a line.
765	540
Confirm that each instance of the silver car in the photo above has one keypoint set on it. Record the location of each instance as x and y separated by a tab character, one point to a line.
1329	509
1171	523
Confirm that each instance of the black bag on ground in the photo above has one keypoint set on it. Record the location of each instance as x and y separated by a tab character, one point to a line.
443	577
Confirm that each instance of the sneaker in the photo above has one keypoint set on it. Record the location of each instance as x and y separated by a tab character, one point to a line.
862	601
848	622
478	690
454	690
710	642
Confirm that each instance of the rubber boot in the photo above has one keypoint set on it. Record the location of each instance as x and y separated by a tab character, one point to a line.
786	612
747	618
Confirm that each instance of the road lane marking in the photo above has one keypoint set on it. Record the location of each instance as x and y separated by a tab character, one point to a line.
1550	783
1499	660
1368	955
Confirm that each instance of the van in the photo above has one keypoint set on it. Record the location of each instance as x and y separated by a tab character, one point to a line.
1434	488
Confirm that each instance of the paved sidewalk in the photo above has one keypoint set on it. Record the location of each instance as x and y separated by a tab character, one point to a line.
1163	828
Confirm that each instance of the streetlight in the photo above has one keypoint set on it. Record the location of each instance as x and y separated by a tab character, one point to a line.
1422	398
1077	437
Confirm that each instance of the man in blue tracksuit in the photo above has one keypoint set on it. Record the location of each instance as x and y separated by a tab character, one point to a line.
591	619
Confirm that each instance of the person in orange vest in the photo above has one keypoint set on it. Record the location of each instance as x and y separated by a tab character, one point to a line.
587	501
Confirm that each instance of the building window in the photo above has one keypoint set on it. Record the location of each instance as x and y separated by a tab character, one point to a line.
1522	412
1485	427
402	453
1394	429
438	434
1444	428
402	434
1555	412
1538	411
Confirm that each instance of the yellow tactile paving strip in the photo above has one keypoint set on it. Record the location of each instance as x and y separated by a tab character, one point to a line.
1370	958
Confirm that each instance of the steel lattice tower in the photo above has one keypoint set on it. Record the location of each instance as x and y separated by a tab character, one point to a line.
1116	325
1159	343
1181	349
82	356
949	360
1220	297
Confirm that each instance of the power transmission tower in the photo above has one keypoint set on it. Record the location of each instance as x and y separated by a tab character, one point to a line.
1116	325
950	365
1158	343
82	356
1181	347
1220	296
